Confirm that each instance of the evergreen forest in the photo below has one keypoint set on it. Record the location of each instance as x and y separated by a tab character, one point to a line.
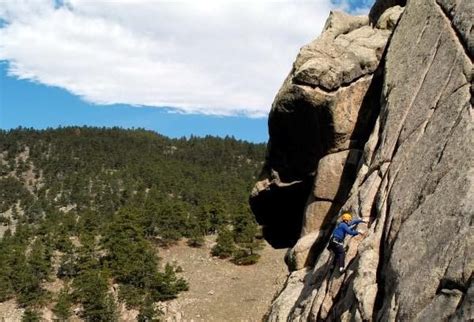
89	208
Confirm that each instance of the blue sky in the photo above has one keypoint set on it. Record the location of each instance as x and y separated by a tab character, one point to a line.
28	104
179	68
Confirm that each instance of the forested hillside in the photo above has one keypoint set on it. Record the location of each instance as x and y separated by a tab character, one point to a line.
87	206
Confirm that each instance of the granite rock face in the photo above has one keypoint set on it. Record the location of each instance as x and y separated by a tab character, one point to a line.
414	182
323	107
380	7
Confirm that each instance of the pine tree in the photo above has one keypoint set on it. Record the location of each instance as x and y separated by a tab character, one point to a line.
62	309
196	239
91	289
225	243
172	221
40	260
27	285
148	313
166	285
217	212
245	230
30	316
196	233
6	286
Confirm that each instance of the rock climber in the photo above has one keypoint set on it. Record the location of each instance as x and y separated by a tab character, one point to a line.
336	243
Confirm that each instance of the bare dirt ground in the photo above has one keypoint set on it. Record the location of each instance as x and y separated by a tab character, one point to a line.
220	290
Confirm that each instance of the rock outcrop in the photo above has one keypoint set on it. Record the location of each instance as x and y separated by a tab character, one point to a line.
401	156
326	105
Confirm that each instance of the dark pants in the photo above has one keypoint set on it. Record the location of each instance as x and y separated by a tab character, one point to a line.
339	254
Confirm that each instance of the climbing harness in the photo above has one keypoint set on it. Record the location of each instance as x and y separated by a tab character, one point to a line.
337	241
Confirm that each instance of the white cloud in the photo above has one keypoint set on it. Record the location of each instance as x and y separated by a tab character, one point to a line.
211	57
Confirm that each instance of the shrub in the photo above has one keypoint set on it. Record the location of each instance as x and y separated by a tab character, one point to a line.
242	257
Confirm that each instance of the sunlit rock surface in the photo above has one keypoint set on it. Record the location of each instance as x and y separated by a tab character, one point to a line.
411	170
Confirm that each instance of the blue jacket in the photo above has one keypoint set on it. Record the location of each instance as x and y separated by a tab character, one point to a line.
345	228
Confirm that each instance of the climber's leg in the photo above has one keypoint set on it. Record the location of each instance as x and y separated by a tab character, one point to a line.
340	256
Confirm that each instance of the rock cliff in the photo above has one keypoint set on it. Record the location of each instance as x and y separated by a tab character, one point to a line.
376	117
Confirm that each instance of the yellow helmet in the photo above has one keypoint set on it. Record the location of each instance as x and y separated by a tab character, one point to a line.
346	216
